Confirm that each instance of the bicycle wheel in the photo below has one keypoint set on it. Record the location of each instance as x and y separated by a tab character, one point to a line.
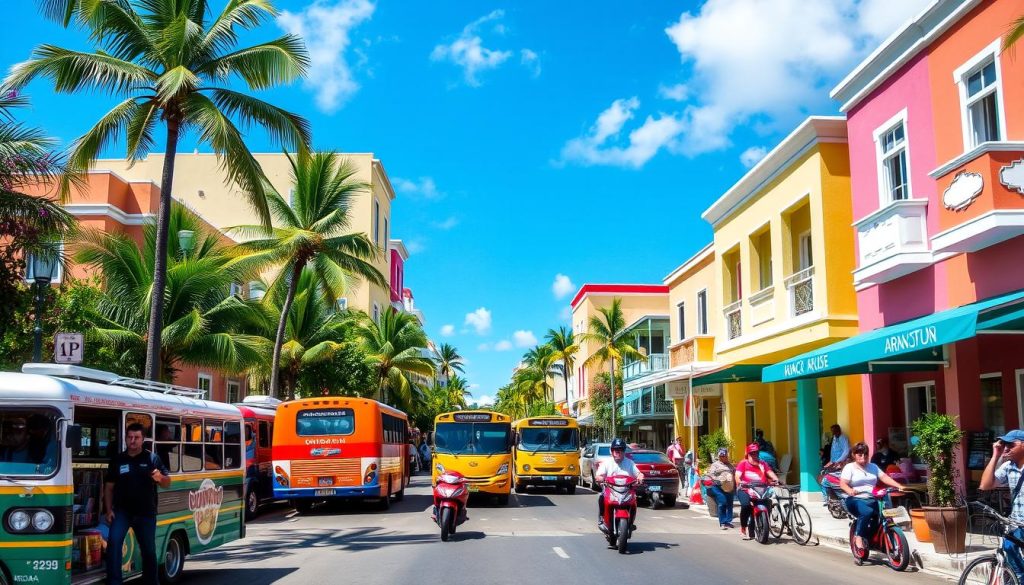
775	524
988	571
800	524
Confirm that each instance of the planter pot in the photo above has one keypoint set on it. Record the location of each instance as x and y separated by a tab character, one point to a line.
948	527
920	526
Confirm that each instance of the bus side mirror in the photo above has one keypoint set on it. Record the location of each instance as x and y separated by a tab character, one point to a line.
73	437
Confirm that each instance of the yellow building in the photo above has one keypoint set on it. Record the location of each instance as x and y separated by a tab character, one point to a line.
200	184
785	255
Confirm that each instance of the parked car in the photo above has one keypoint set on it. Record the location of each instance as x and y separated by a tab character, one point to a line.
591	459
661	478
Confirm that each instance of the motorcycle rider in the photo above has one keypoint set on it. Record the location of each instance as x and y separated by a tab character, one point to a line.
617	465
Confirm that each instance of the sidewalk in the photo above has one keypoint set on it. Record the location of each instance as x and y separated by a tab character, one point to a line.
835	533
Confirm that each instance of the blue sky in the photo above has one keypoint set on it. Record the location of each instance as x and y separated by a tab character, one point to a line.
538	146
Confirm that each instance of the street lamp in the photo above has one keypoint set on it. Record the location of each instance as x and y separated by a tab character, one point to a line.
186	241
44	266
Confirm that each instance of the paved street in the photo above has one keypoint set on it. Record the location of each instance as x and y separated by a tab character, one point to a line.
540	537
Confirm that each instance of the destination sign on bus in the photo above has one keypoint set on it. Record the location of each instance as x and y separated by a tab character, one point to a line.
333	413
549	422
471	417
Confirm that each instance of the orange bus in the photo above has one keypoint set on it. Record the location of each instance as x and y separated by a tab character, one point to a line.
338	447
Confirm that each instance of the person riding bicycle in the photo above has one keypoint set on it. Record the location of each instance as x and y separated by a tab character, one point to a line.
617	465
1009	447
858	481
751	471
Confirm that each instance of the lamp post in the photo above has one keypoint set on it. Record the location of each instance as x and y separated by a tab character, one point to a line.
186	241
44	263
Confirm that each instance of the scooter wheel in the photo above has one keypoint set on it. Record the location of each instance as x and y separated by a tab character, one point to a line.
446	524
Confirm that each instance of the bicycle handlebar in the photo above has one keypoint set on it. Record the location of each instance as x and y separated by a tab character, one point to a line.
985	508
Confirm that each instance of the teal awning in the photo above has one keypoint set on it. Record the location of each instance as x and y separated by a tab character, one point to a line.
914	345
729	374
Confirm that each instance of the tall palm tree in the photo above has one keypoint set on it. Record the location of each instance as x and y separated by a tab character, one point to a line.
605	331
458	391
540	359
314	330
169	62
394	346
564	348
311	232
206	325
449	362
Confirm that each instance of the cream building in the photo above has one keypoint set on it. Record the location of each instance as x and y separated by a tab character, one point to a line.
200	184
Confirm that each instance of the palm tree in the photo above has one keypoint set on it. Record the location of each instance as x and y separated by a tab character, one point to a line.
394	346
448	361
1015	34
169	62
314	330
564	349
206	325
458	391
604	330
311	232
540	360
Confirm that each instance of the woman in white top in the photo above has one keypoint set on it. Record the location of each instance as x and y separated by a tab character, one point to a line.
858	481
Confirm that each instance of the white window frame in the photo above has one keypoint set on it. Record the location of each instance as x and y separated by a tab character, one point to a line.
342	303
806	259
208	391
751	406
929	388
702	312
998	376
376	222
1018	375
384	242
235	289
227	391
291	197
681	316
884	192
60	266
960	76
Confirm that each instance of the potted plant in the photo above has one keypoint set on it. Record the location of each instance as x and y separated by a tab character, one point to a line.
707	451
934	437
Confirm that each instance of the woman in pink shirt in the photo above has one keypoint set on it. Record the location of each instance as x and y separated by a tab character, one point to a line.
751	470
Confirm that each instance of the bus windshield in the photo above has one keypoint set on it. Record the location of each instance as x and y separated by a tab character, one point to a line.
28	441
548	439
471	438
335	421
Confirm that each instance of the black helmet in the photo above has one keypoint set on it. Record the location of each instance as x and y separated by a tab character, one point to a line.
618	444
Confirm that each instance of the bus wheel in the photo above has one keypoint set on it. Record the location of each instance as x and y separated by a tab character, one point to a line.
503	500
174	560
400	494
520	487
570	489
385	502
252	502
303	506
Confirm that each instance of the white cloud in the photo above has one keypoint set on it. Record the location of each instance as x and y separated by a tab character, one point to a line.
732	46
447	330
503	345
479	320
467	51
423	187
326	29
415	246
562	286
447	224
484	347
602	145
753	155
678	92
484	400
524	338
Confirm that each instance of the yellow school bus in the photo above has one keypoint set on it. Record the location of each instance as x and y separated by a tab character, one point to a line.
546	452
477	444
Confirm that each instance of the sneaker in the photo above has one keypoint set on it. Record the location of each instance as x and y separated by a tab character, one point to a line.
724	526
729	525
743	531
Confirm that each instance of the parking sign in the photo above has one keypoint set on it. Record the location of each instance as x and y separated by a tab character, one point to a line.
68	348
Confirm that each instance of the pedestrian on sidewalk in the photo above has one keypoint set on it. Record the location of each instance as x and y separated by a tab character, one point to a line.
677	455
721	476
1009	447
838	455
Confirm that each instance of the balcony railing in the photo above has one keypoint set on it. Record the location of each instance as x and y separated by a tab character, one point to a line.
801	291
892	242
650	400
656	362
733	321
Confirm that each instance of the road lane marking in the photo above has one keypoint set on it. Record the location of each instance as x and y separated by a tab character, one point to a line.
560	552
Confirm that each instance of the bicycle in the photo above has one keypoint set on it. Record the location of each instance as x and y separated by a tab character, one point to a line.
993	569
789	516
887	537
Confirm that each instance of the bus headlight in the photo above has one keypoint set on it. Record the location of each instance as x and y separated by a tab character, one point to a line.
42	521
572	467
526	467
503	469
19	520
439	468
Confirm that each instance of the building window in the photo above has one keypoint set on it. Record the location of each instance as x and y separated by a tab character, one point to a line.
376	313
992	415
751	411
343	304
234	389
235	289
376	222
892	152
920	400
291	197
384	243
702	312
205	383
682	321
806	251
981	97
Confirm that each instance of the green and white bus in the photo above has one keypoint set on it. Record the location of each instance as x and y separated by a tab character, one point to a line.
59	427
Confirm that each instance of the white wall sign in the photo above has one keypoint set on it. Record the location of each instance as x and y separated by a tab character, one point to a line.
1012	176
677	390
708	390
68	348
964	189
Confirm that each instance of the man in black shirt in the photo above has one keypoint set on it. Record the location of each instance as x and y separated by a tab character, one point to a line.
129	496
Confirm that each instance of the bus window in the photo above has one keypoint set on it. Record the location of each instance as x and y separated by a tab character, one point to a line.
28	443
336	421
168	442
99	432
192	452
232	445
214	455
264	434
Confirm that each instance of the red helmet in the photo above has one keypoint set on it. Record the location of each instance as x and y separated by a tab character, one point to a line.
753	448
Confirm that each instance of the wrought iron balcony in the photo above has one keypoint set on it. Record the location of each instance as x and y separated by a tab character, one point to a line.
801	291
733	319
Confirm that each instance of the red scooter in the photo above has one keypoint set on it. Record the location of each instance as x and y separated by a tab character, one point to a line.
450	497
619	509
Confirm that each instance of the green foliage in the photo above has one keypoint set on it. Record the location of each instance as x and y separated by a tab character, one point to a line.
600	401
709	444
394	347
937	436
346	373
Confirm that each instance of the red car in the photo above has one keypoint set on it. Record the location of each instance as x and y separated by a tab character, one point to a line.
661	478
